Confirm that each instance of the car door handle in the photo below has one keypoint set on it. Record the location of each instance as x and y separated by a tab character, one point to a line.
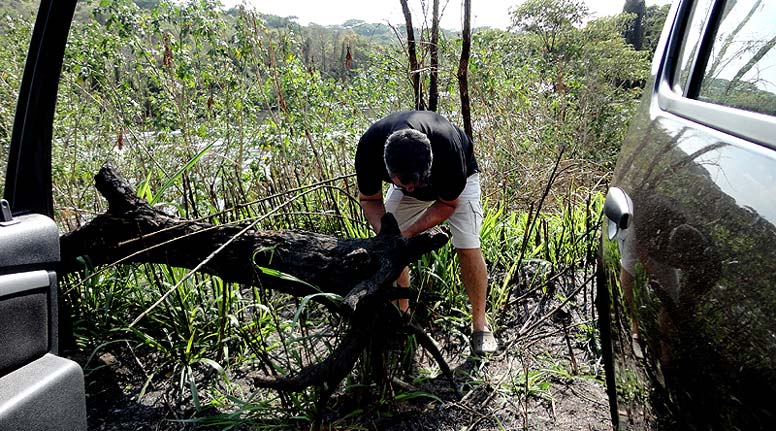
618	208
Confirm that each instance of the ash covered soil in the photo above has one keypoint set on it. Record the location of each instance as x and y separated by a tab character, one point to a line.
547	376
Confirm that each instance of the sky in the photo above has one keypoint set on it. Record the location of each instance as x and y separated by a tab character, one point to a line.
492	13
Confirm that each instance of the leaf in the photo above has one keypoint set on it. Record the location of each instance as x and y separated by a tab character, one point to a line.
287	277
144	189
180	172
193	387
333	296
213	364
412	395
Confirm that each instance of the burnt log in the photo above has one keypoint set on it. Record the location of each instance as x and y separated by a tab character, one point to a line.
132	231
362	271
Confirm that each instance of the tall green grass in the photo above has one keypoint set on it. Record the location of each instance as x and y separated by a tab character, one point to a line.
208	330
239	129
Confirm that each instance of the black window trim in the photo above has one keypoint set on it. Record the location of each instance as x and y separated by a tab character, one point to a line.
752	126
676	47
706	41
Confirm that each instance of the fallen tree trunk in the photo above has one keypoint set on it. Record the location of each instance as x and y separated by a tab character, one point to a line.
360	270
133	231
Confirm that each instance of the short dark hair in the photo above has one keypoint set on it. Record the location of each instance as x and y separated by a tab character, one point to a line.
408	155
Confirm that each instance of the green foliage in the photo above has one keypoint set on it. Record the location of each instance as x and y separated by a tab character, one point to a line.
654	20
376	32
552	86
634	31
16	28
240	117
552	21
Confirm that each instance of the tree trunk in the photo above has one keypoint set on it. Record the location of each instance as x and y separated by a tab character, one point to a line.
634	34
433	84
413	56
463	68
133	231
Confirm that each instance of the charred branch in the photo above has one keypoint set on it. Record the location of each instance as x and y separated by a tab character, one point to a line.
131	231
360	270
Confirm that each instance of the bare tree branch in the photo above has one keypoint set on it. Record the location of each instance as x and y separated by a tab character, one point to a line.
413	56
463	68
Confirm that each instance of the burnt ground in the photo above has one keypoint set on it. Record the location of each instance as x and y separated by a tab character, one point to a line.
548	376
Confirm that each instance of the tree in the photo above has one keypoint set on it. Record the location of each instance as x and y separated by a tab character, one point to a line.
463	68
549	20
581	77
413	57
634	34
654	19
433	50
433	86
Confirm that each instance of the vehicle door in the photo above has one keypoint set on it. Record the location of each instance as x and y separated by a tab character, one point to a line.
688	262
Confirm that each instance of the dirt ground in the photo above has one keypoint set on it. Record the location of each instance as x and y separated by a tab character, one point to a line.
546	377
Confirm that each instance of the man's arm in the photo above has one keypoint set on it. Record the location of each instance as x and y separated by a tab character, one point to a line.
373	207
438	212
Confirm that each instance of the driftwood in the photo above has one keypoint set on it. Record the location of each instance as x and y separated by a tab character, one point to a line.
360	270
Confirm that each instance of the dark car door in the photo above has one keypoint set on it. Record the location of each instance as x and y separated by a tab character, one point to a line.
38	389
689	261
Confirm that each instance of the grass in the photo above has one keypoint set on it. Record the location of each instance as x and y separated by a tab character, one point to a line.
206	325
206	330
201	333
254	160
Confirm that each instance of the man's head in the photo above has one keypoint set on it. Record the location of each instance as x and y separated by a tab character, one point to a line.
408	158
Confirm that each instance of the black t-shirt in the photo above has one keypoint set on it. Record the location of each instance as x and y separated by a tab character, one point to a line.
453	155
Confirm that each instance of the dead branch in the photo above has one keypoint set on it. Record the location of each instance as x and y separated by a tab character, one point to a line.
361	270
132	231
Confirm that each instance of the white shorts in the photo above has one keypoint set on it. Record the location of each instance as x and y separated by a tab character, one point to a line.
465	222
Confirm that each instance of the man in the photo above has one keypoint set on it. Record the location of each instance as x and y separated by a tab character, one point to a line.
433	176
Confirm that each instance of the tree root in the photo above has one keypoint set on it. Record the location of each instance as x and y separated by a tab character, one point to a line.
361	270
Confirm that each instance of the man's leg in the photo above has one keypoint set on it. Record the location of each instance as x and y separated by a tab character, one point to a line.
403	281
406	210
474	274
465	224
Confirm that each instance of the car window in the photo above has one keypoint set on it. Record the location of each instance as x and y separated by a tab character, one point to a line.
740	71
699	14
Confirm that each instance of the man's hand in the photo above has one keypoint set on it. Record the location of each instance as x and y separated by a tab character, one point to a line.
438	212
373	207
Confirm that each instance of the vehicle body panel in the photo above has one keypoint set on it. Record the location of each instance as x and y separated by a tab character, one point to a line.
690	311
